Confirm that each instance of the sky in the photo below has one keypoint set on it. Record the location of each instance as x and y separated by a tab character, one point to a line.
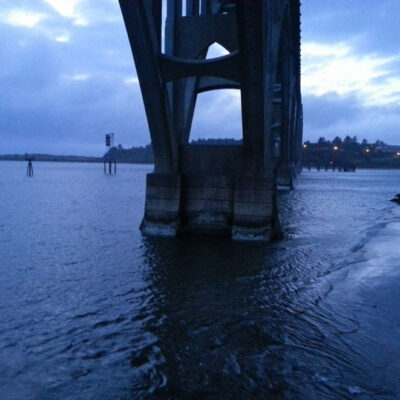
67	77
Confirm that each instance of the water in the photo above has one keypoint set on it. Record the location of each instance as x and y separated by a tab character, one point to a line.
89	309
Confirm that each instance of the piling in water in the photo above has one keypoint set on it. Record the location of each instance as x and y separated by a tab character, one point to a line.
29	169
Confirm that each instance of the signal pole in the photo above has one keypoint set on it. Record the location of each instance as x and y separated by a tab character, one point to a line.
109	145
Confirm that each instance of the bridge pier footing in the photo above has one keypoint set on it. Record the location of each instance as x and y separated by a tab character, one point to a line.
162	208
285	177
238	206
255	215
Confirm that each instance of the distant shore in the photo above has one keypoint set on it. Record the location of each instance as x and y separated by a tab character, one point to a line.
58	158
323	154
48	157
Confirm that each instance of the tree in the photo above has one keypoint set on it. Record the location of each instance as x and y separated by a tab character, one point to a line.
337	141
347	143
322	142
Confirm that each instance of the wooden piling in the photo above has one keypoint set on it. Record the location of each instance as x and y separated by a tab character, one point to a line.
112	166
29	169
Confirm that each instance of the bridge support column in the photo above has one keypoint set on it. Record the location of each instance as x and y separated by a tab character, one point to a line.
255	215
228	190
163	203
212	198
243	207
285	176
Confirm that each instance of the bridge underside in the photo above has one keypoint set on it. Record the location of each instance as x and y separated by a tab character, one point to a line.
218	189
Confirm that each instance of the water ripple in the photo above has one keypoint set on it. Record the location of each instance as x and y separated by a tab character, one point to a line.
91	310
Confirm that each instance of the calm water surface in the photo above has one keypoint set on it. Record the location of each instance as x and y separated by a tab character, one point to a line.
90	309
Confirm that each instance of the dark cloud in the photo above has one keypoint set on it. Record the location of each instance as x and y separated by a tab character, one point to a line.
333	115
372	24
44	109
325	111
371	29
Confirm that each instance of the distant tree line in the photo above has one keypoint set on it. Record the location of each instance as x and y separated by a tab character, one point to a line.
219	141
349	151
48	157
346	151
138	155
144	155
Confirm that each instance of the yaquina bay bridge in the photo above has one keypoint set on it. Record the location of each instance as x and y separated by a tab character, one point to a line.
218	189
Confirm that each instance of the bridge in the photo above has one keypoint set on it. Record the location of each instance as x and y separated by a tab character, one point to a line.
229	190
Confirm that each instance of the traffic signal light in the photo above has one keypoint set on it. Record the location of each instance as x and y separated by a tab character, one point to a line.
108	140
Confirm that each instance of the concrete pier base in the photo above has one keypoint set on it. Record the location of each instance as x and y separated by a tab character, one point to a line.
285	177
207	204
163	203
218	202
255	215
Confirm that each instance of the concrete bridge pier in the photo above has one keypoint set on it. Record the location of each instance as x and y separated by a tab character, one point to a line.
256	215
211	196
163	205
227	190
287	99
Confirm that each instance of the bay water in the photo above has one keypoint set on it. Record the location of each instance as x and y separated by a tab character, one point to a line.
91	309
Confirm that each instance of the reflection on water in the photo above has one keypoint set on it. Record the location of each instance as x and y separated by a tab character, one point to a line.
90	309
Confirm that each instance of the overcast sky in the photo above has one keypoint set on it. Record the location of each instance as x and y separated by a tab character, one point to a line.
67	76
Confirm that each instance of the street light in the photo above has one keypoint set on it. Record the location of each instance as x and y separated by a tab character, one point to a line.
367	150
335	148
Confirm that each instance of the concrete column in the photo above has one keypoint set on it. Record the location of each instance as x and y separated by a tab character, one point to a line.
285	173
192	7
156	7
255	214
163	203
255	210
144	44
250	21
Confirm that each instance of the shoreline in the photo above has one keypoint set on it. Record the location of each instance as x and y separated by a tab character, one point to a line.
99	160
72	159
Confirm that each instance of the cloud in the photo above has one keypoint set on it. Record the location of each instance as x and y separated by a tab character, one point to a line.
325	111
339	69
63	85
371	24
319	50
73	117
63	38
65	7
21	17
68	9
68	76
351	69
332	115
80	77
131	81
